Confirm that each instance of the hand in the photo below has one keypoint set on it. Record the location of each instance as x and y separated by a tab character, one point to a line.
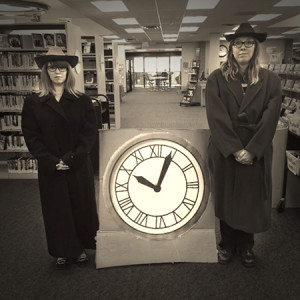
61	166
163	172
144	181
244	157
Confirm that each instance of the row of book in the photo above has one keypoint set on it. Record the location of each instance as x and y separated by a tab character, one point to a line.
290	84
13	81
10	122
16	60
22	165
32	41
13	142
11	102
291	103
283	68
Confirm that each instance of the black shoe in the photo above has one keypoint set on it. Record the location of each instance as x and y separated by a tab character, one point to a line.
61	263
247	258
82	259
225	255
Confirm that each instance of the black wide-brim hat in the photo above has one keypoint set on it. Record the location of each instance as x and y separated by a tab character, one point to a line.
245	29
56	54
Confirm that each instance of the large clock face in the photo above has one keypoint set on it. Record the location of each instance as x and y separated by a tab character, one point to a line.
157	186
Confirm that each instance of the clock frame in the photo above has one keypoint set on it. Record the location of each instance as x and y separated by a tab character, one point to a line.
117	242
172	210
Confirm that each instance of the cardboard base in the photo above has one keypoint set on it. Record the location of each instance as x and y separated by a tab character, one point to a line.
117	248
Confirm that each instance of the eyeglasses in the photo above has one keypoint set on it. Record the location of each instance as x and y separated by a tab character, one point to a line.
239	44
60	69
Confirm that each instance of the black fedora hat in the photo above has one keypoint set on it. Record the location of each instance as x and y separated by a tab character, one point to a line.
245	29
55	54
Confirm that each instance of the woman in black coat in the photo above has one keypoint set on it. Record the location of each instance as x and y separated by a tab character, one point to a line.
243	106
59	126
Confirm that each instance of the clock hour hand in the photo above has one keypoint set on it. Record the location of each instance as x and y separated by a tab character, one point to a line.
144	181
163	172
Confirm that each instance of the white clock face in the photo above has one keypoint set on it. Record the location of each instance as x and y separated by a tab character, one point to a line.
156	186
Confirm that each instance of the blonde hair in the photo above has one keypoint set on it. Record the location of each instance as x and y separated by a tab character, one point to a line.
230	68
46	85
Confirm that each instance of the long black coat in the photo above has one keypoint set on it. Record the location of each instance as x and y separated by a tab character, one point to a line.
64	130
242	193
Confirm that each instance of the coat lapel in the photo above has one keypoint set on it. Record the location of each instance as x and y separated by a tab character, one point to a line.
251	92
51	101
236	89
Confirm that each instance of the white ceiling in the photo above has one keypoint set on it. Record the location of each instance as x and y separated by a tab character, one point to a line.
168	15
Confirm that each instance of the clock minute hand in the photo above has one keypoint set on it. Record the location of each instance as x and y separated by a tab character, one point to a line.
144	181
163	172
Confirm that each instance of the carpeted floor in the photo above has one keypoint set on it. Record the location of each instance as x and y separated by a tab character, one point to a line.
144	108
27	271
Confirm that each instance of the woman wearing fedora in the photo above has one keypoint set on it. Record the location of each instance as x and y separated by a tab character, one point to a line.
59	126
243	106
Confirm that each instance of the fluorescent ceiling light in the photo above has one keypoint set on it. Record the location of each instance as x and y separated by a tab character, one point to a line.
222	38
264	17
134	30
188	29
198	19
236	27
229	33
288	3
275	37
110	6
126	21
170	40
170	35
120	41
204	4
111	37
7	21
291	32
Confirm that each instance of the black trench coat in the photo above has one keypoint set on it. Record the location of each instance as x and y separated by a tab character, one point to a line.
66	130
242	193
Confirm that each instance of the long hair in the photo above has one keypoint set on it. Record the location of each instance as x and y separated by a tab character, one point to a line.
46	85
230	68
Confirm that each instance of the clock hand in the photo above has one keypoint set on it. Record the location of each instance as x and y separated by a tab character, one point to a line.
144	181
163	172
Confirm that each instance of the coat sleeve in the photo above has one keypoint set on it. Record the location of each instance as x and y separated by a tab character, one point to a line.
33	138
268	123
87	136
219	121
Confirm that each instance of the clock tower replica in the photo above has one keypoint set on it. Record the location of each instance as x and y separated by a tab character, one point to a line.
154	203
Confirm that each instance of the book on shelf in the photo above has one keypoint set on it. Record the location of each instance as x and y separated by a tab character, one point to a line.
14	41
48	40
2	141
289	84
4	40
22	165
282	68
296	69
60	40
283	81
296	86
271	67
27	41
37	40
90	77
277	68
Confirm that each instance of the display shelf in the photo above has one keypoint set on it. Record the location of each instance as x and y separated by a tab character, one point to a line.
192	87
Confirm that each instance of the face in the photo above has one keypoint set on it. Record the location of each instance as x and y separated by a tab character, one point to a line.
243	54
57	75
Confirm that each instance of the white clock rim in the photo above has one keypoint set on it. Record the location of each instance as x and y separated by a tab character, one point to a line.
167	229
136	140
